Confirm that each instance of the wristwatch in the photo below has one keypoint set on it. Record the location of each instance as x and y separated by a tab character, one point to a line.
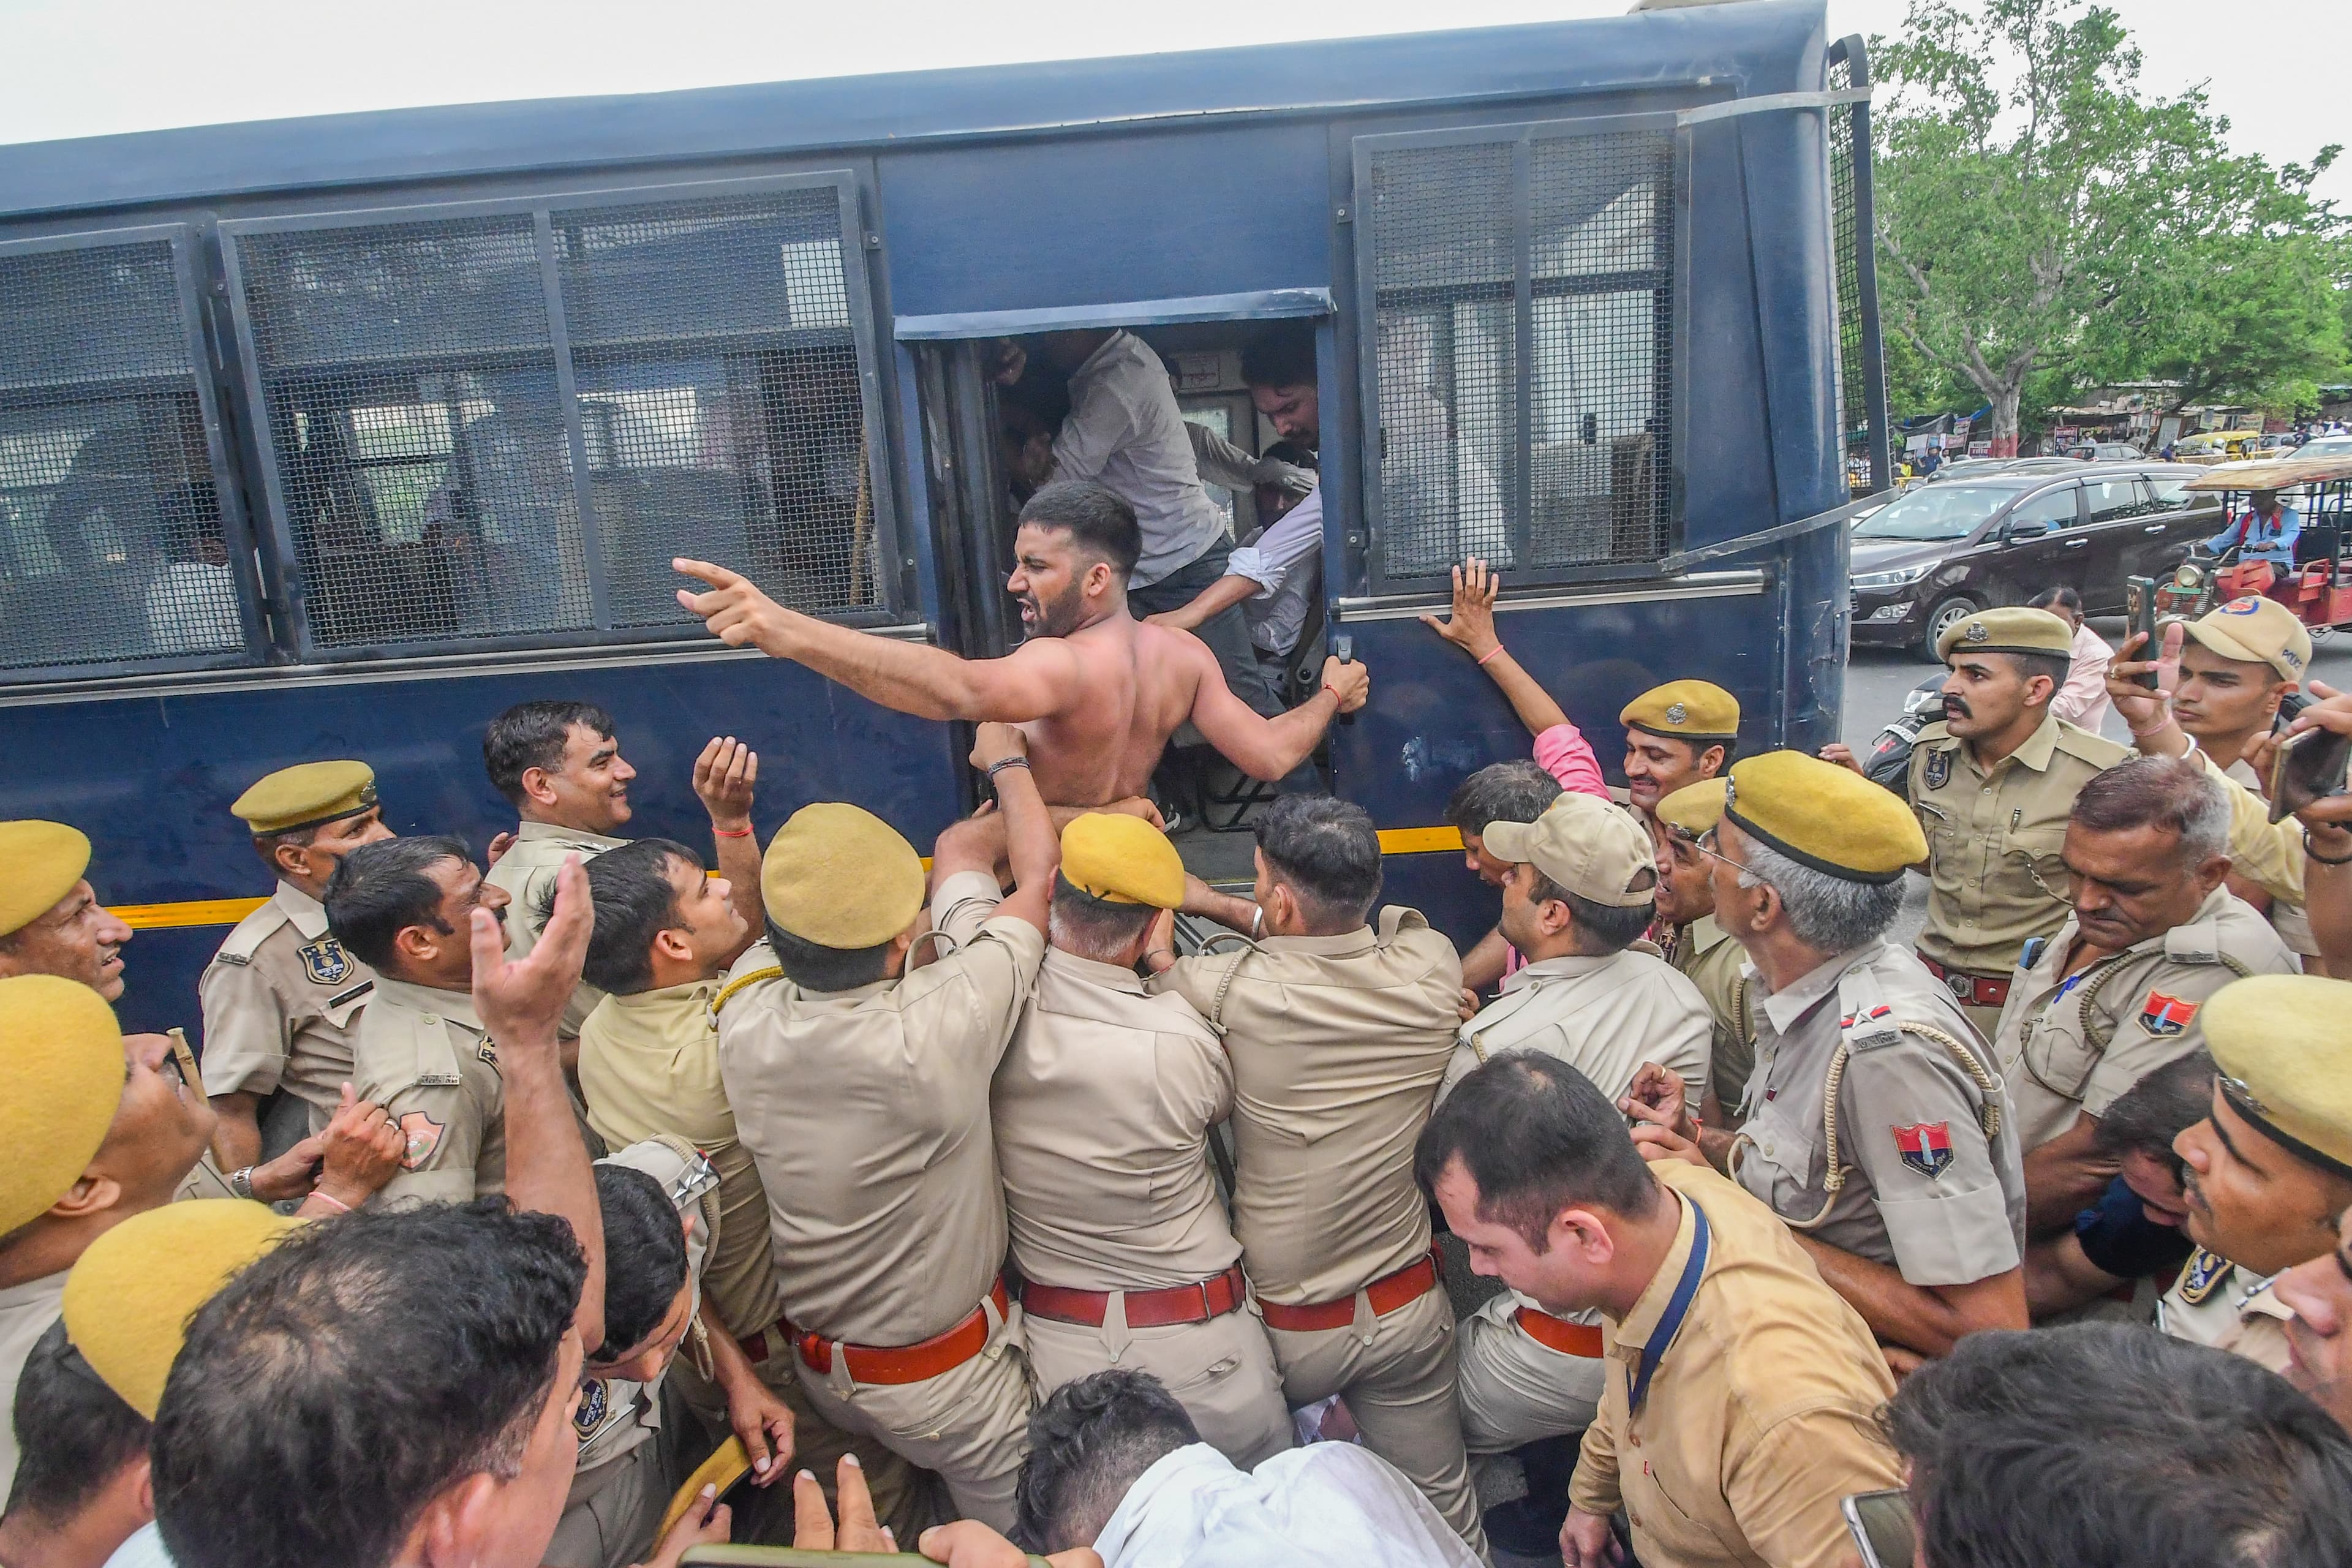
241	1182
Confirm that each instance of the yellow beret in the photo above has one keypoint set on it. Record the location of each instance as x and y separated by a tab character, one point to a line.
61	1058
2284	1045
305	795
1122	860
840	876
2255	630
1823	816
129	1298
39	864
1695	808
1685	711
2016	629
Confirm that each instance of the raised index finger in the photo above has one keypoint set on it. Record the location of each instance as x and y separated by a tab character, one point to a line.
717	576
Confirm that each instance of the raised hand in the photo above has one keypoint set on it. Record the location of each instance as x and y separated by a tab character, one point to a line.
993	742
706	1522
723	776
520	1002
735	611
1470	626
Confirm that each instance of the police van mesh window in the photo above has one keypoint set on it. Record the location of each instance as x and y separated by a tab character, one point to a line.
1853	416
431	465
111	547
1522	347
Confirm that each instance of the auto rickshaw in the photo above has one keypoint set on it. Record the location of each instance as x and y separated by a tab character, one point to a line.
2319	588
2215	446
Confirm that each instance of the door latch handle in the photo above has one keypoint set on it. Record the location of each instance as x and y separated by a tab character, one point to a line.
2153	528
2076	543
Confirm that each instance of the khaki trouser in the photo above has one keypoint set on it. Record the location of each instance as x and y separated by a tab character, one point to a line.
907	1500
1986	1019
612	1512
1397	1374
971	1423
1513	1390
1220	1371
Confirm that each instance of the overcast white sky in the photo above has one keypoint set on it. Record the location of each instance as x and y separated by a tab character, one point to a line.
85	68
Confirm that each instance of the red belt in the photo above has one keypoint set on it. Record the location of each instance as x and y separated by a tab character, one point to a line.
757	1346
1389	1291
1559	1334
1145	1308
908	1363
1972	990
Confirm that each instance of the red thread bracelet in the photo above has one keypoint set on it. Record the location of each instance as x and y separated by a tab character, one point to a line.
730	833
1489	654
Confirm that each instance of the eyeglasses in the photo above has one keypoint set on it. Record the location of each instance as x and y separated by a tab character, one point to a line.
1705	845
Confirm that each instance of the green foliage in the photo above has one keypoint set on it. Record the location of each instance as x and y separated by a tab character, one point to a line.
2044	225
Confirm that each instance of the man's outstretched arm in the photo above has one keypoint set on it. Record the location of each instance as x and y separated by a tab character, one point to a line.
1036	681
1264	748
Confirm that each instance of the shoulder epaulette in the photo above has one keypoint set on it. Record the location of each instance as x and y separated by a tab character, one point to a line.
251	932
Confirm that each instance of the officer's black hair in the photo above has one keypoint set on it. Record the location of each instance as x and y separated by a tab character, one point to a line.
645	1258
359	1369
1089	1443
74	1433
1518	791
2056	665
2061	598
2105	1445
1098	521
1328	852
812	966
1279	356
1297	454
380	889
1537	1136
532	735
636	902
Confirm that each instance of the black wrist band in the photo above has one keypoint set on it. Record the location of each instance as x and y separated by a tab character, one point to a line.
1001	764
2322	859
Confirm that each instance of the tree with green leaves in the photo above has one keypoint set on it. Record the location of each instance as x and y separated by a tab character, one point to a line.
2039	218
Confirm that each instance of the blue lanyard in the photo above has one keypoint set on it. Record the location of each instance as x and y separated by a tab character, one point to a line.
1670	1321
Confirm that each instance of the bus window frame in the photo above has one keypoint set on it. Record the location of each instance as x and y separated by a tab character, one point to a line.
1360	145
860	252
237	536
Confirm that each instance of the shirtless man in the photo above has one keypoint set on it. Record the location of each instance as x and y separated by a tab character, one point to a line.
1096	691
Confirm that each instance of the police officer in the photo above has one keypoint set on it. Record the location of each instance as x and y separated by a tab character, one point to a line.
1699	949
861	1087
1677	734
402	907
50	919
1992	782
281	998
1579	894
2116	992
2270	1170
1103	1106
1338	1028
1877	1126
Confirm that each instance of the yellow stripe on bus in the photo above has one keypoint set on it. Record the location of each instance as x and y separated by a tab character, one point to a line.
228	911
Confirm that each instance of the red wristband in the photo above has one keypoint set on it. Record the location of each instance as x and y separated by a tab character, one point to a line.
730	833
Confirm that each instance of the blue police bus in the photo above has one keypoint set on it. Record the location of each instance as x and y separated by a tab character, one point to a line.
335	437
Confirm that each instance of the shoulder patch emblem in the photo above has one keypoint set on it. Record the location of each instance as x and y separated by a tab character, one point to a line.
423	1136
325	961
2204	1274
2245	604
1939	769
1926	1147
595	1400
488	1051
2162	1015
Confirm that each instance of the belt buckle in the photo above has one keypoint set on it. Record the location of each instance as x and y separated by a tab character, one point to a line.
1207	1311
1963	987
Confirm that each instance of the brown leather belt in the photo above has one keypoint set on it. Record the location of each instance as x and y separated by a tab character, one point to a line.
1145	1308
769	1340
1389	1291
1971	990
1558	1334
908	1363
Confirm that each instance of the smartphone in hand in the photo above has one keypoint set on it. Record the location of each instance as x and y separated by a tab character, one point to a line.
2308	767
2139	616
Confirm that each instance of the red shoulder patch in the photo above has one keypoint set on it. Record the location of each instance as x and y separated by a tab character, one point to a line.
2162	1014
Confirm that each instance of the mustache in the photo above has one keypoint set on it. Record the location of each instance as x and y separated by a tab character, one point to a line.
1956	707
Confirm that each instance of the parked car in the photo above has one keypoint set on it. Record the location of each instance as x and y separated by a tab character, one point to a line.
2106	452
1940	553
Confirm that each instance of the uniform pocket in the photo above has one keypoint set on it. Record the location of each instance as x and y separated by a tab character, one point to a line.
2058	1059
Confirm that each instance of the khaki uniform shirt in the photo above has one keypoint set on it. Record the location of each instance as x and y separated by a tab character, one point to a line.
2289	920
527	871
1994	840
1337	1044
27	1311
650	1066
2215	1302
424	1056
281	1003
1103	1106
2071	1044
1602	1016
1761	1415
1925	1190
1711	960
867	1111
618	1415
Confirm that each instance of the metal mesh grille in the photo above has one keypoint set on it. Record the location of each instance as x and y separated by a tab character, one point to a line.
422	453
1559	251
1853	416
111	541
720	397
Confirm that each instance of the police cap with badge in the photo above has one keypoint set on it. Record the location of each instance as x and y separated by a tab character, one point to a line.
2283	1048
2256	630
1692	811
307	794
2014	629
1824	816
40	863
1694	710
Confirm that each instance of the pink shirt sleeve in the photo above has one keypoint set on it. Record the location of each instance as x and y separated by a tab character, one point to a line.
1564	753
2086	681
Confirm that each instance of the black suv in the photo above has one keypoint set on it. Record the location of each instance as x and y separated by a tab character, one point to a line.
1941	551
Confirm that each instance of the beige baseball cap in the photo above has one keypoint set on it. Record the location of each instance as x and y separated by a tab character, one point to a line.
2255	630
1586	845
